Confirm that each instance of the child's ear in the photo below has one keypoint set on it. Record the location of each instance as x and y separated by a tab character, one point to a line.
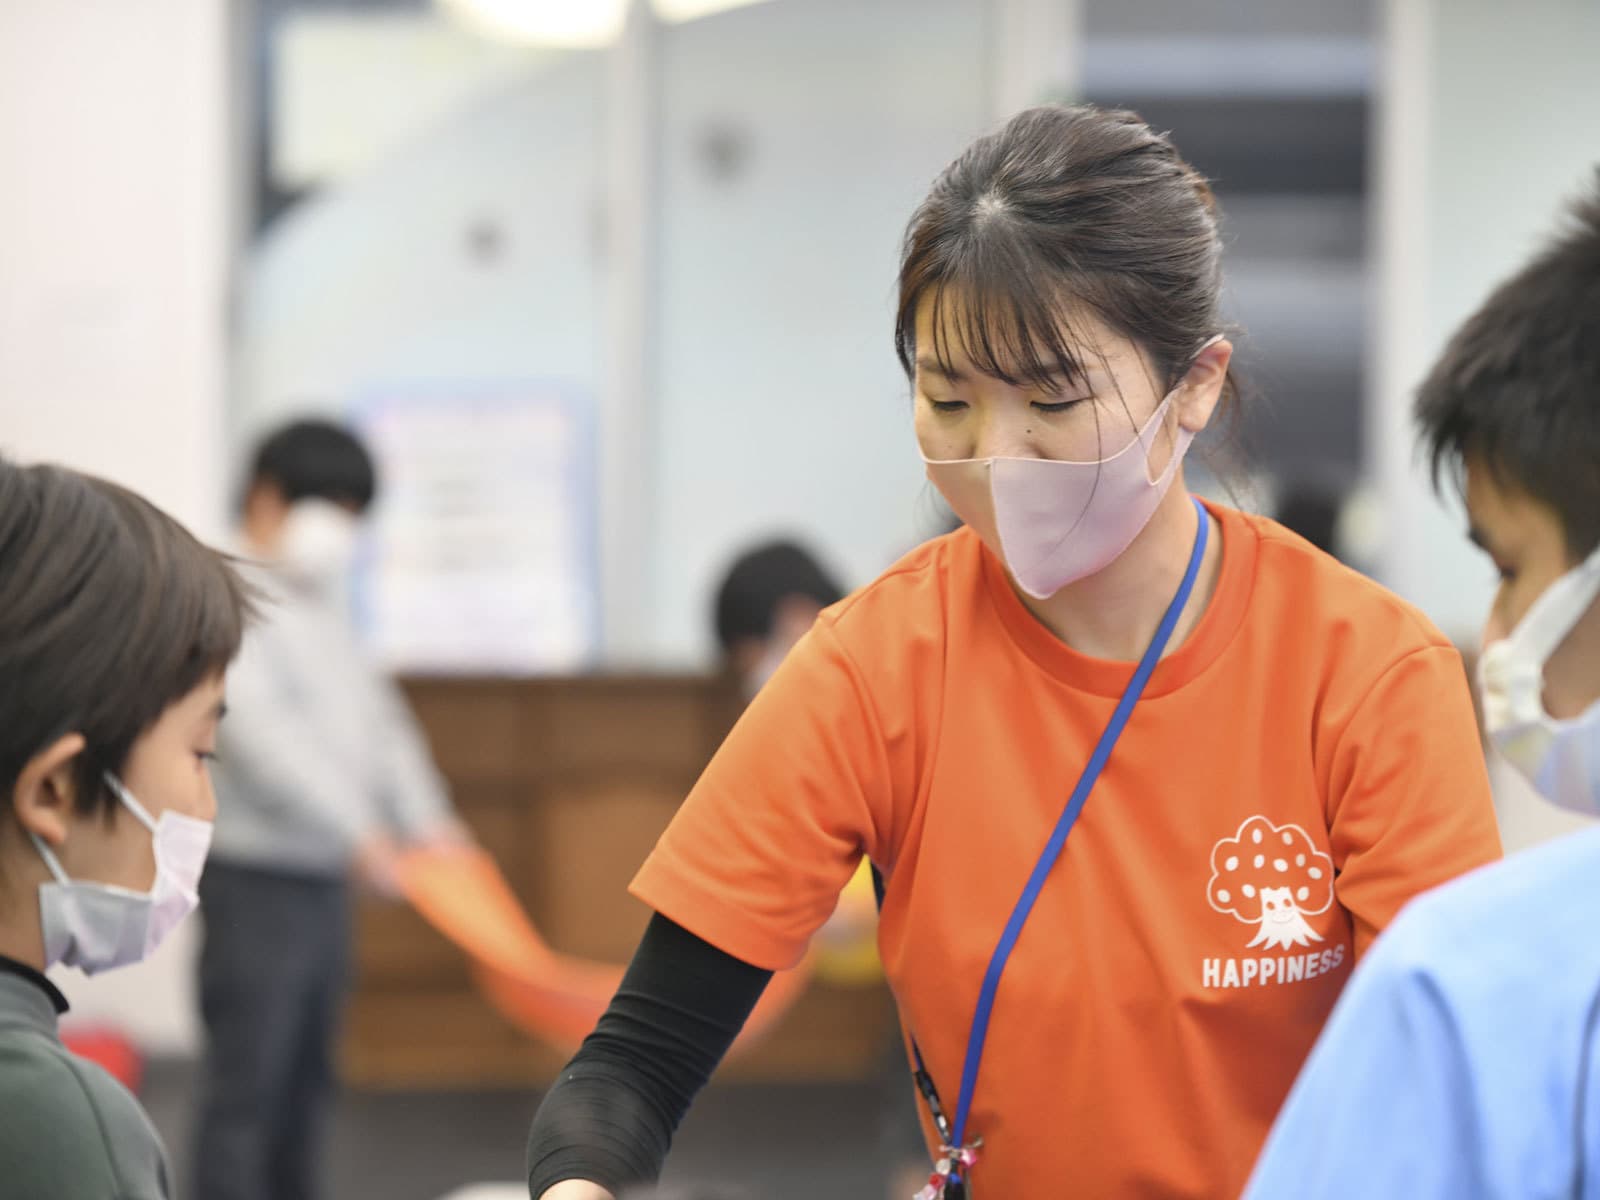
46	792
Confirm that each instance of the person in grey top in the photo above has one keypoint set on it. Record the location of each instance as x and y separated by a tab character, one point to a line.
116	628
322	774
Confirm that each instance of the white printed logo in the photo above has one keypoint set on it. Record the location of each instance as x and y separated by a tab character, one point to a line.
1272	877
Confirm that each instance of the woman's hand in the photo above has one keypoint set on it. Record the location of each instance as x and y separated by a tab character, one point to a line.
576	1189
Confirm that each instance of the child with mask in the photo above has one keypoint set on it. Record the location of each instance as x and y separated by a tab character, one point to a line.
116	627
1464	1059
769	598
1269	754
322	771
767	601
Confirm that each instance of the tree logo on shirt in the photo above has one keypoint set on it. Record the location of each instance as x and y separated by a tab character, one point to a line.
1273	877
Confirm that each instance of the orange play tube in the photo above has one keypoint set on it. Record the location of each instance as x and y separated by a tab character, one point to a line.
555	997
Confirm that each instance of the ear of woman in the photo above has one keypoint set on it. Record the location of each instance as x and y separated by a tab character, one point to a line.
1202	387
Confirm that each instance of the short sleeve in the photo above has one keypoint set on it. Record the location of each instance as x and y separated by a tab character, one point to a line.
803	786
1410	805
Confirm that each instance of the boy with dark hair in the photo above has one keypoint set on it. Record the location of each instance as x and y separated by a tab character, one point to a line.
322	771
768	599
312	460
116	628
1464	1058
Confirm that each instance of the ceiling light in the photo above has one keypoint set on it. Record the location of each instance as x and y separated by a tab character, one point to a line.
576	24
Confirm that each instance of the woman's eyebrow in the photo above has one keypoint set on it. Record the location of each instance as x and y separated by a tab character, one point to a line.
932	366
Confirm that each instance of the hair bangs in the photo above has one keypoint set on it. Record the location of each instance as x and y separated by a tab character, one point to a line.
996	308
208	604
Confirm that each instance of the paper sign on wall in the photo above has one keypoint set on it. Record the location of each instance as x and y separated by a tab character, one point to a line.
481	558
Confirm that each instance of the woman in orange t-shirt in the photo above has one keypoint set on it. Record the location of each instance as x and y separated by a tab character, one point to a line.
1142	777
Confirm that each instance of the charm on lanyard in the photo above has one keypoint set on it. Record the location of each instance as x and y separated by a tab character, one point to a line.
957	1155
948	1181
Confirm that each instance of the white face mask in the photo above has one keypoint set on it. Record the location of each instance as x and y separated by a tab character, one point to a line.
1053	522
764	669
319	543
96	926
1561	758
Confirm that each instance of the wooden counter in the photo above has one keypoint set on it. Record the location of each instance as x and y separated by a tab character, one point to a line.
568	783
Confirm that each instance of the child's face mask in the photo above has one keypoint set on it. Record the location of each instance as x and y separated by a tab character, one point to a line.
98	926
1560	757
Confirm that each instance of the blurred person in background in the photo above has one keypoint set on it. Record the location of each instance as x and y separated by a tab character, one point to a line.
322	769
116	629
1464	1060
1313	513
1271	754
769	599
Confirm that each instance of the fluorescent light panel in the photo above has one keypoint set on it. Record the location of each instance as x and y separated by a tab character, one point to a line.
575	24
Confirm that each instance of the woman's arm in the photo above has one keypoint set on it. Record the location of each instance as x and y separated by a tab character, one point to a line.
610	1117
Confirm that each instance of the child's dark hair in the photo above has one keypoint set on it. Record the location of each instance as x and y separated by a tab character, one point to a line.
759	580
1064	212
319	460
109	612
1518	387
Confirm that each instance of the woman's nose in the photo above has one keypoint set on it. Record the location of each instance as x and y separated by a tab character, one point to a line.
1002	437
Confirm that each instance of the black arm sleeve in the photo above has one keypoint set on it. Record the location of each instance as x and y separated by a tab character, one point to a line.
611	1115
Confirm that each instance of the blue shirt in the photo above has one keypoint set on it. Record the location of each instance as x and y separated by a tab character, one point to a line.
1463	1059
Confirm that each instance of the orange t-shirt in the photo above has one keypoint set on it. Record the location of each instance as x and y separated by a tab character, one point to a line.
1302	765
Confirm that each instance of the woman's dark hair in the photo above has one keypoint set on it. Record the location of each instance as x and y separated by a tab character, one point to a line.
109	612
1065	211
1518	387
317	460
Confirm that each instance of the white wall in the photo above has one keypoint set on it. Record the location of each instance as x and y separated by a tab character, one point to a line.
780	406
113	224
1490	122
776	404
376	281
111	227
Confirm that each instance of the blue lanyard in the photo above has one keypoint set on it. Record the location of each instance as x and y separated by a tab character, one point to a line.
1053	848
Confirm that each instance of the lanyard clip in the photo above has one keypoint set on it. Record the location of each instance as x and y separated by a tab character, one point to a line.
949	1178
